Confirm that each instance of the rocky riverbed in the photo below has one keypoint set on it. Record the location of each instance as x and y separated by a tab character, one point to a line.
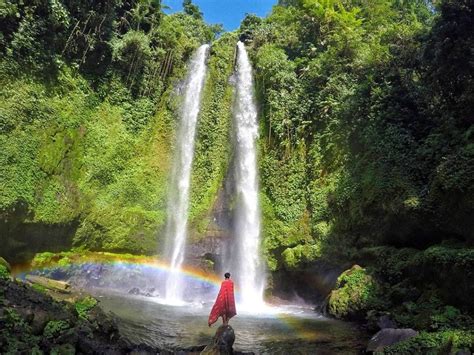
31	320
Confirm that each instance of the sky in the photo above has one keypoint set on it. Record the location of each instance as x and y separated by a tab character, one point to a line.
227	12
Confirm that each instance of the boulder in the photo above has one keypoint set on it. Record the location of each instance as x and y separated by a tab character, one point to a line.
222	342
353	295
152	292
134	291
40	319
389	336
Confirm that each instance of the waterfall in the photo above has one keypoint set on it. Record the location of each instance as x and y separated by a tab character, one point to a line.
248	272
178	196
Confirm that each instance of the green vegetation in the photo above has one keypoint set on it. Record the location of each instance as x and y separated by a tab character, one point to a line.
4	273
444	342
67	258
355	128
84	305
24	341
34	323
212	148
39	288
54	328
87	116
366	152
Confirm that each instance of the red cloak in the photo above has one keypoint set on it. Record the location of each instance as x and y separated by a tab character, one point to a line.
225	303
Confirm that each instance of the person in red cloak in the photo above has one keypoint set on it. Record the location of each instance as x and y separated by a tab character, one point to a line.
225	303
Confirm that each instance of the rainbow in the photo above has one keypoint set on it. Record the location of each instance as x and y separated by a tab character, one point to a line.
291	323
67	259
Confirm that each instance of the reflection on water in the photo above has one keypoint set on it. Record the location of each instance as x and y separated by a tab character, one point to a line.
299	331
123	289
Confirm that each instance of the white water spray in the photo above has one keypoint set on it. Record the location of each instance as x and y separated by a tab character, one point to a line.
249	271
178	196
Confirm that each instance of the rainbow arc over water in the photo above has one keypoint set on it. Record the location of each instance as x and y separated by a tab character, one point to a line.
67	259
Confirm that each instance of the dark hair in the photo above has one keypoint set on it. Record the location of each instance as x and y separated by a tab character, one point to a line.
227	275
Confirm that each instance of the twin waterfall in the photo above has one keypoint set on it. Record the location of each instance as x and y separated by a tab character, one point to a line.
245	264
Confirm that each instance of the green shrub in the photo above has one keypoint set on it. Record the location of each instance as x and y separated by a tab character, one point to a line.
84	305
443	342
303	254
4	273
54	328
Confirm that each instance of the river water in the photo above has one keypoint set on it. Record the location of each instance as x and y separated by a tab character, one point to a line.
283	330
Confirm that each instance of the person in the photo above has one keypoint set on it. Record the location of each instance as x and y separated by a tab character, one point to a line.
225	303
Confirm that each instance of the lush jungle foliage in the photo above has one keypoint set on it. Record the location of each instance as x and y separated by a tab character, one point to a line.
87	117
367	153
367	115
366	148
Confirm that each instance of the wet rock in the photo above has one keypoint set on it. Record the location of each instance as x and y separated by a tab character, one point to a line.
39	322
134	291
207	252
222	342
388	336
152	292
385	322
313	283
68	337
142	349
26	313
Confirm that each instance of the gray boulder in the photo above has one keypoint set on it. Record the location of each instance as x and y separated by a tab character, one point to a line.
389	336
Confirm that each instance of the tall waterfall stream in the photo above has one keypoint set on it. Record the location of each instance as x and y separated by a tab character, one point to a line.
178	198
246	260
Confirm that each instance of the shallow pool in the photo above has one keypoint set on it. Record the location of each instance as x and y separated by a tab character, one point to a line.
283	330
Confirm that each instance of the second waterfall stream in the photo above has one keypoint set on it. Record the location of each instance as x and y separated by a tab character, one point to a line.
178	196
246	263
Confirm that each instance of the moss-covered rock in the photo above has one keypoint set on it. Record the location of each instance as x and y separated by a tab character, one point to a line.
355	293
